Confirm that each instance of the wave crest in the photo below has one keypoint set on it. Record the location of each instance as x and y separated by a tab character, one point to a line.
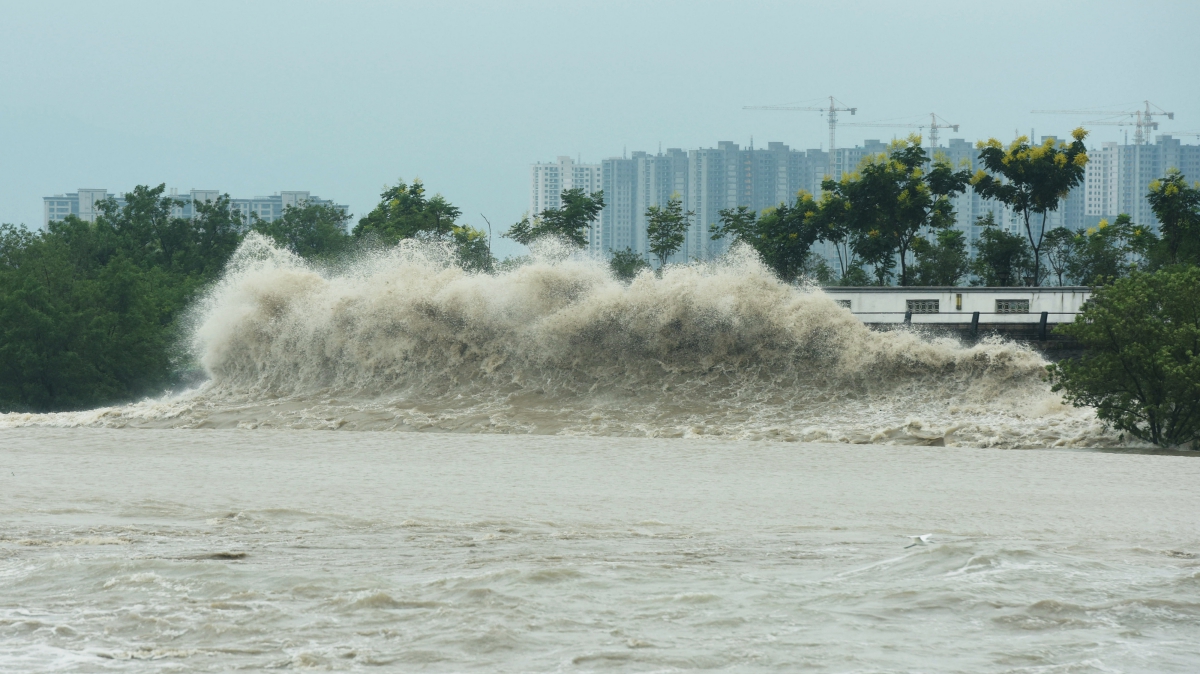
403	338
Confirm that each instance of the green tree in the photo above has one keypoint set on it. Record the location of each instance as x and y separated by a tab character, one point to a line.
78	331
1032	180
1059	247
309	230
405	213
1108	252
943	263
1001	259
570	221
1141	364
443	215
835	230
1177	207
626	264
90	312
472	249
854	276
782	236
893	199
666	228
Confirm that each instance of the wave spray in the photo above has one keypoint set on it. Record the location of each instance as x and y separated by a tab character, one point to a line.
403	339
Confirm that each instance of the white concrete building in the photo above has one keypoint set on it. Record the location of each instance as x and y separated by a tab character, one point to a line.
958	304
82	204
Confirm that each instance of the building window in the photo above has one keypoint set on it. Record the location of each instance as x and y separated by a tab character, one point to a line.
845	304
1012	306
922	306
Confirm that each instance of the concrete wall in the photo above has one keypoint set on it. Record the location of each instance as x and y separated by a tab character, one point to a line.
888	305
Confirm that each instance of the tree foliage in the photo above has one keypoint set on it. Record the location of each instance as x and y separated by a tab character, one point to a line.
1001	258
1032	180
893	199
472	249
309	230
943	262
404	212
570	221
89	311
1059	249
1109	251
666	228
782	236
1141	367
626	264
1177	207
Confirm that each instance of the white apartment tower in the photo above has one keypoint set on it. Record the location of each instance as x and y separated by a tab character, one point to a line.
549	180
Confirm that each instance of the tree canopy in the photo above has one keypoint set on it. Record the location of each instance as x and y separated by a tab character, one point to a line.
1032	180
1141	364
309	230
666	228
782	236
404	212
891	200
1177	207
1001	258
570	221
89	311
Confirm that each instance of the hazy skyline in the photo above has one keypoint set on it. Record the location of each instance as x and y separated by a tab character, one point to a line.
253	98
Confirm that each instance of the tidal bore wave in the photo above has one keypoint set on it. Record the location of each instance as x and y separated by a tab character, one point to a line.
405	340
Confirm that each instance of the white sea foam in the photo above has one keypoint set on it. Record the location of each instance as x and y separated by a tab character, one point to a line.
403	339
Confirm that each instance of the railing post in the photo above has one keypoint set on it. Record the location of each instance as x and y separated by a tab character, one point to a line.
974	323
1042	326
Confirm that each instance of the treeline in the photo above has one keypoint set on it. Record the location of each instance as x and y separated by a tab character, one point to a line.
93	313
892	221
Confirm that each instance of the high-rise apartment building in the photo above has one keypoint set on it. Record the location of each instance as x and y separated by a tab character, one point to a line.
709	180
1117	177
549	180
83	204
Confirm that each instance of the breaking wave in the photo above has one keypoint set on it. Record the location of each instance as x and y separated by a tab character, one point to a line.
405	340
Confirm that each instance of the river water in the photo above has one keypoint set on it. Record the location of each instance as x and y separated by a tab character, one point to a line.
390	464
215	550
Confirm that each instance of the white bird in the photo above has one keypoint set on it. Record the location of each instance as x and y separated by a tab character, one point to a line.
919	540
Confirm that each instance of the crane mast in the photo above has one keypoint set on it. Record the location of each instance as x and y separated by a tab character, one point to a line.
935	123
835	106
1142	119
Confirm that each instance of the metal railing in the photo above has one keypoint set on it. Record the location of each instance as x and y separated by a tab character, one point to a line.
1042	322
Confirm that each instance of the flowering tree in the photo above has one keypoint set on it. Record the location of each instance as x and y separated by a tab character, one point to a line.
1032	180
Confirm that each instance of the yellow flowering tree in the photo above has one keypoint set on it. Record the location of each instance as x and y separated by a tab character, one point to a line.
1177	207
893	199
1032	180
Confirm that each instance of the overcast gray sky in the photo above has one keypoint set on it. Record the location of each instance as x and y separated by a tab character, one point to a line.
341	98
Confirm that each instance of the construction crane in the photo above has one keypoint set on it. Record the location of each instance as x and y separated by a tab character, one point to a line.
1142	119
935	123
835	106
1137	121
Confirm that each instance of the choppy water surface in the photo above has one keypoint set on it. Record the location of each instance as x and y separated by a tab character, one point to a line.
215	550
555	518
